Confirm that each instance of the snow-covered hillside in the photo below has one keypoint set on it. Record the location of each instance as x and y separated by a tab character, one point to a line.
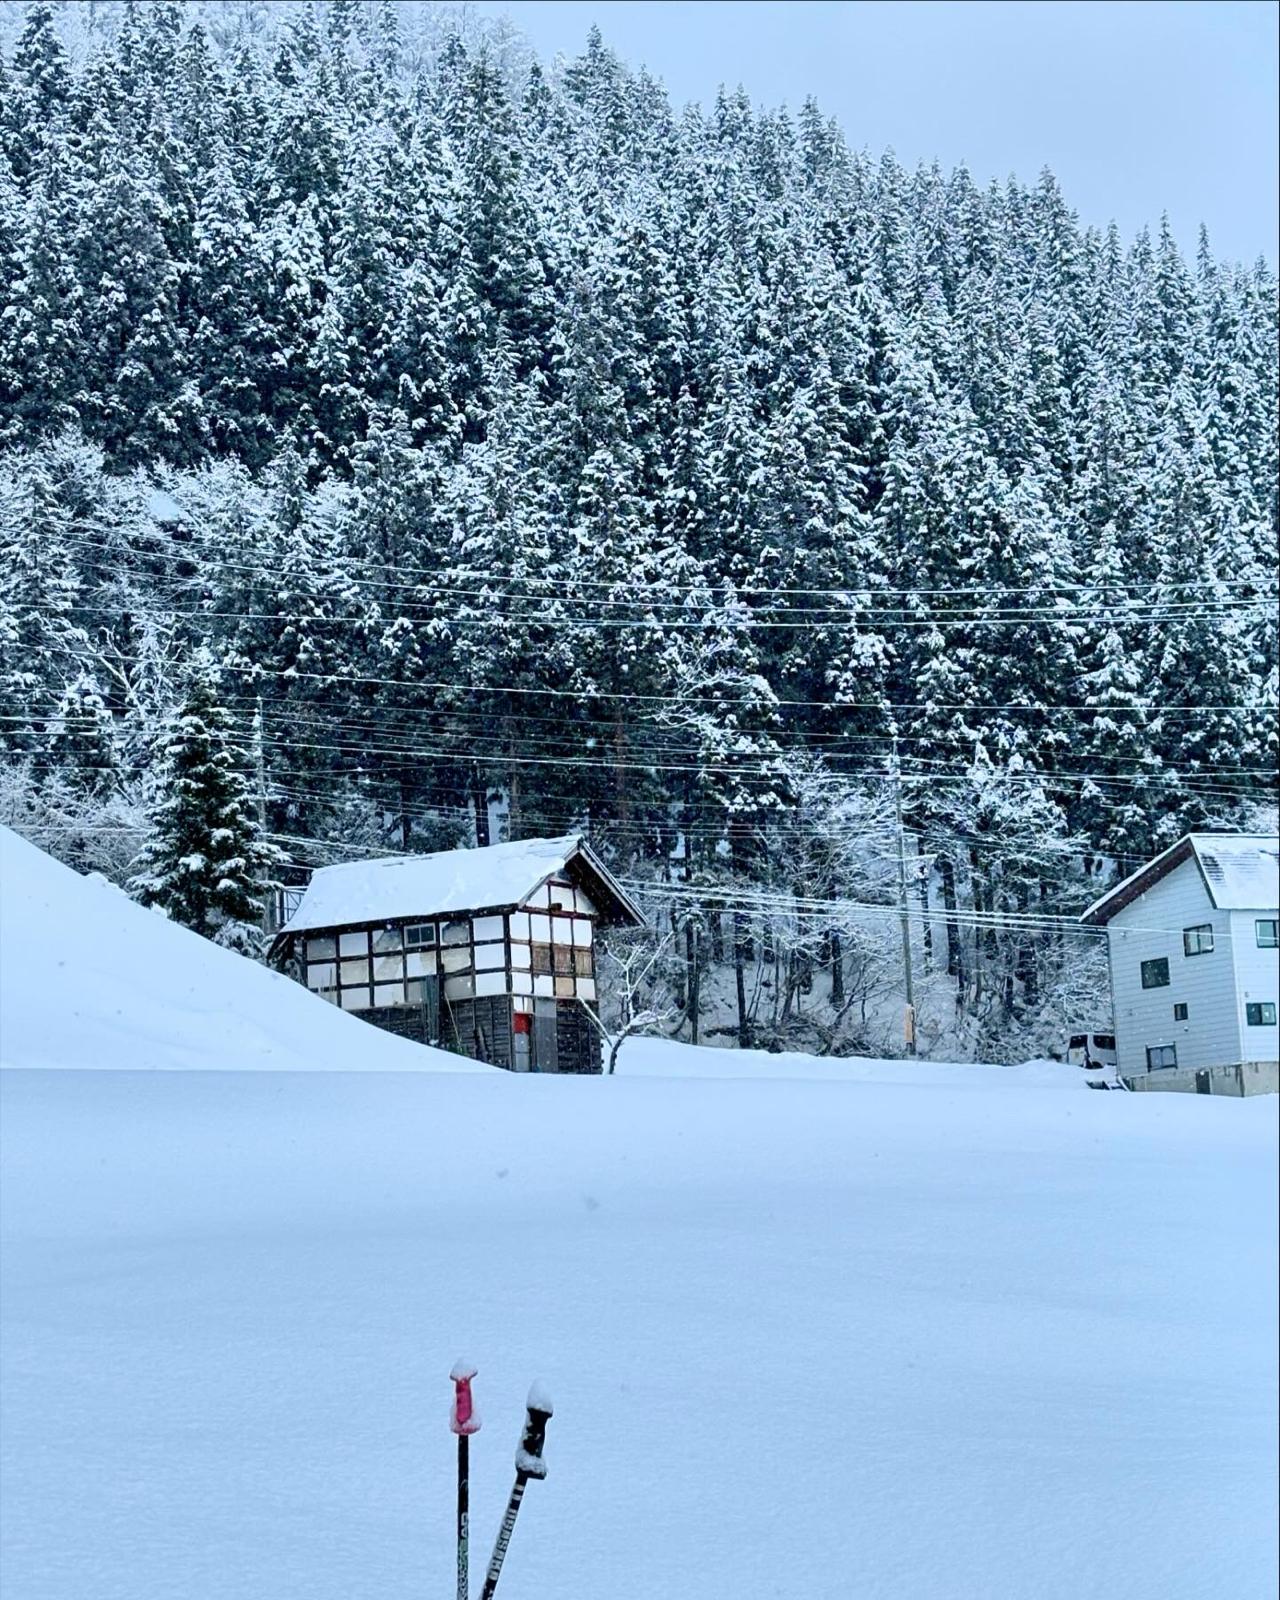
89	979
822	1330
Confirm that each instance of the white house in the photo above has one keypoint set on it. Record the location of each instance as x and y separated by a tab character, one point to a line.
1195	966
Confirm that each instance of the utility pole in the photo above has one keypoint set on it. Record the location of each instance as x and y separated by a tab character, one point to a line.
909	1015
259	735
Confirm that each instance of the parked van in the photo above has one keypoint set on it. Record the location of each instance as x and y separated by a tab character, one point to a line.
1092	1051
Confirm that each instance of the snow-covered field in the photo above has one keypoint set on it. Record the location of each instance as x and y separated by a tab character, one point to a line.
812	1329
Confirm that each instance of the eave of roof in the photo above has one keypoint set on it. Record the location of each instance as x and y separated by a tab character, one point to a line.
1137	883
1141	882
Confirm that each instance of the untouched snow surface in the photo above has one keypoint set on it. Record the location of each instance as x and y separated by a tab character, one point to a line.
826	1330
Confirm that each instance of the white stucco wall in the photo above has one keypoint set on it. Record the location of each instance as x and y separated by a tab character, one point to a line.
1151	927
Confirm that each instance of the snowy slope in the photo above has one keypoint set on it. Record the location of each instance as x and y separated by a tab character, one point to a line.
89	979
823	1330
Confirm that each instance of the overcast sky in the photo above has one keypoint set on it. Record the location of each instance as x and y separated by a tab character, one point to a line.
1137	107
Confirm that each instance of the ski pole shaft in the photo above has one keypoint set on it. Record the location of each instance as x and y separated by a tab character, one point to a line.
464	1512
504	1537
464	1420
529	1464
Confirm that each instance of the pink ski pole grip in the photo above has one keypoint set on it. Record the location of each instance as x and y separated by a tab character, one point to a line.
463	1418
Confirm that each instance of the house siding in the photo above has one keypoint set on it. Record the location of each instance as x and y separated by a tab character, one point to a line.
1257	978
1151	927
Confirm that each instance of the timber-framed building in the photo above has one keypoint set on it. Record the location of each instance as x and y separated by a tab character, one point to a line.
490	952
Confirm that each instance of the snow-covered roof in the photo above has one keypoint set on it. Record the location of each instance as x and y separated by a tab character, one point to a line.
1241	872
491	878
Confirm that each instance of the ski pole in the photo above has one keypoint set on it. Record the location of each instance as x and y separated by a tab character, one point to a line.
529	1464
464	1420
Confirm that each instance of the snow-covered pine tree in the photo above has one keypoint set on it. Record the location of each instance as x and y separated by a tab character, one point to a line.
82	744
206	863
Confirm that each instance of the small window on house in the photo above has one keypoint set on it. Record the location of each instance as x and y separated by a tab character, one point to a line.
1180	1013
456	933
1198	941
1267	932
1161	1055
1155	974
1260	1014
419	935
322	975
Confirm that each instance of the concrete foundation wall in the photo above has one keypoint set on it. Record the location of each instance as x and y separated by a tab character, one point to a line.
1244	1078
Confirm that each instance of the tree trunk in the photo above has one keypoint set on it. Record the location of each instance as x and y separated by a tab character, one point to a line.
740	982
922	878
955	950
694	979
837	969
620	770
513	794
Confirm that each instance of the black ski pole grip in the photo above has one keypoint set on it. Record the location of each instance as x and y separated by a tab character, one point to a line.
529	1456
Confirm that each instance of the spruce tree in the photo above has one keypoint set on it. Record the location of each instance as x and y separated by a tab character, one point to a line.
206	863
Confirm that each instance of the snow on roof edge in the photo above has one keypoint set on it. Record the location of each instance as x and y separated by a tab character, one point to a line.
485	878
1190	846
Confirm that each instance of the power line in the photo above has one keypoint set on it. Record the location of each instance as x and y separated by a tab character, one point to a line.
548	575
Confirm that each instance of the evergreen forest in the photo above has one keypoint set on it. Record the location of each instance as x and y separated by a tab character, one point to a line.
406	443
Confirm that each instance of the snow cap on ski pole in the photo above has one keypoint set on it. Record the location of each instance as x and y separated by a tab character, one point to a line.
538	1411
463	1417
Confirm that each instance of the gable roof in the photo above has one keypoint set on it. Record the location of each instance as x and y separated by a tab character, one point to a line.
1240	872
488	879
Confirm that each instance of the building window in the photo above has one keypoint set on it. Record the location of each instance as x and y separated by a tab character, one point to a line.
1161	1055
1180	1013
1260	1013
1155	974
1198	941
419	935
1267	932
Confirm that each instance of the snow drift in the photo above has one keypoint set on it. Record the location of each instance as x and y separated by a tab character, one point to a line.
89	979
